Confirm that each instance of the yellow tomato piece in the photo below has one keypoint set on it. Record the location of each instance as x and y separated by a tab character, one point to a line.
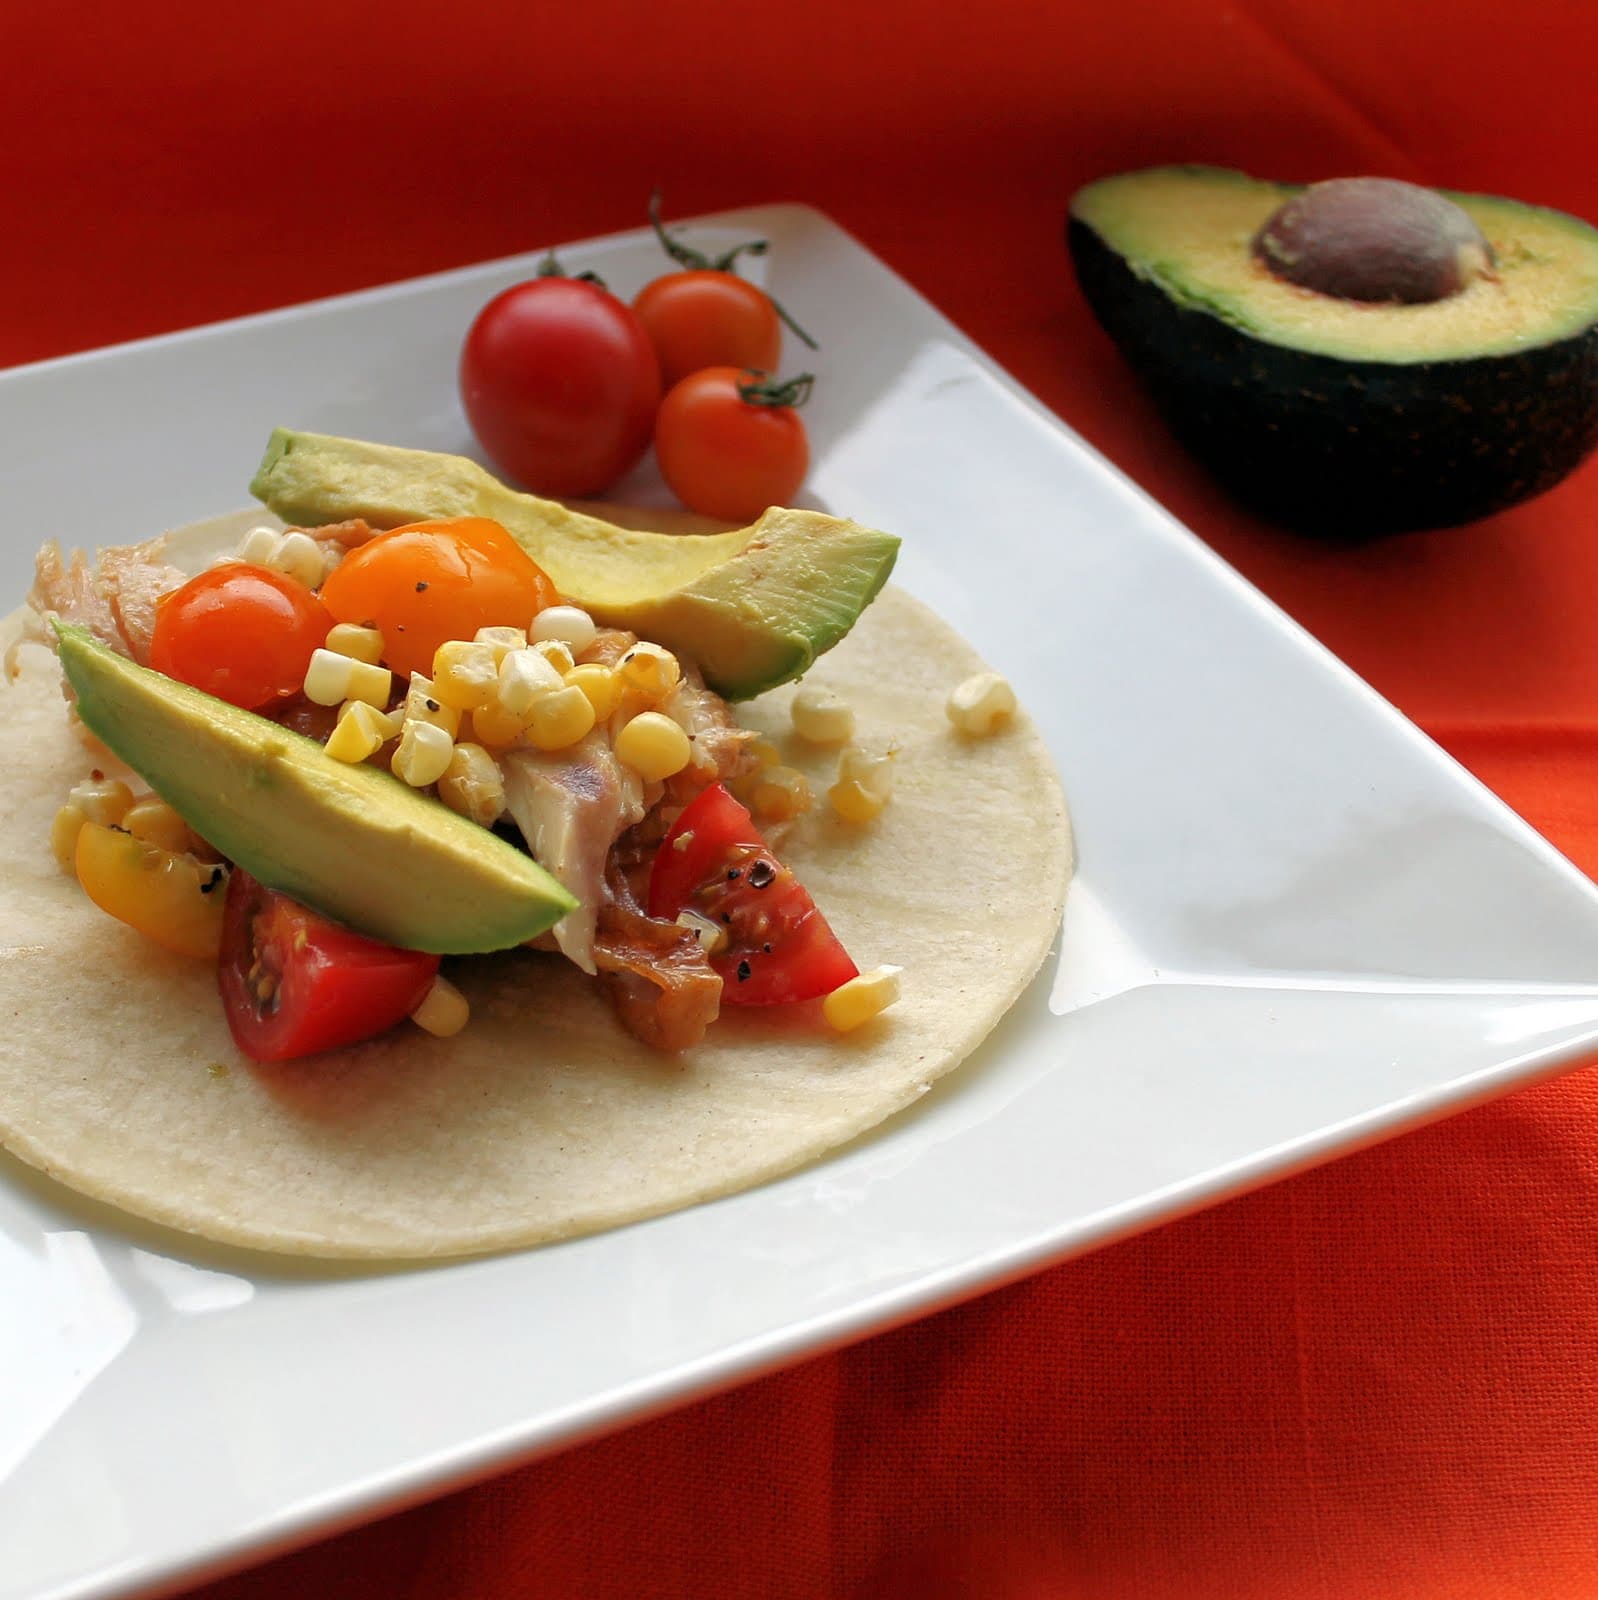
162	894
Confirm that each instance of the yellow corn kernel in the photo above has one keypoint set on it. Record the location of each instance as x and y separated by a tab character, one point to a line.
571	625
496	727
856	1002
853	802
779	793
169	898
64	834
822	717
524	675
360	644
331	678
472	785
650	671
103	800
764	753
444	1010
151	819
360	732
465	674
559	718
599	685
422	705
501	641
871	769
981	704
424	754
653	745
557	653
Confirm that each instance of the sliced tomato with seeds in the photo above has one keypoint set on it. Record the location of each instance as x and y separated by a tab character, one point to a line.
779	947
293	983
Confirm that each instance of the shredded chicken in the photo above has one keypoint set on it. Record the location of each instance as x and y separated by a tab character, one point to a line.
659	980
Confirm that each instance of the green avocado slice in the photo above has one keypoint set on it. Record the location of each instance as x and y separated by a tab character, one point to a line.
754	607
350	841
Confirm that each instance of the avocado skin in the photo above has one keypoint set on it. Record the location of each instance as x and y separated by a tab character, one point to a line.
1348	449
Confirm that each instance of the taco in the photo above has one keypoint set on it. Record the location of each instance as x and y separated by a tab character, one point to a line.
588	1087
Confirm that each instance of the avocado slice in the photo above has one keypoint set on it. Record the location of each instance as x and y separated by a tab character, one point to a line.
1343	416
754	607
350	841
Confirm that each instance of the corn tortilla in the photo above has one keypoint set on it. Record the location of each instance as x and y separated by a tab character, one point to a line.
544	1118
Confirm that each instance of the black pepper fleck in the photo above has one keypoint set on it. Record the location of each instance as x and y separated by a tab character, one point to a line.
766	948
421	586
432	705
212	881
733	874
762	875
744	969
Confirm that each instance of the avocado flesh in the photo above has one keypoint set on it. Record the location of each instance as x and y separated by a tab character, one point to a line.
753	607
1333	418
350	841
1188	230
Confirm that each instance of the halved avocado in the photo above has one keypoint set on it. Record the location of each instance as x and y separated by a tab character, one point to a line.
1341	416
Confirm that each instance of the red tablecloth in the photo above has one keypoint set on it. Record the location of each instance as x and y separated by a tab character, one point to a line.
1376	1379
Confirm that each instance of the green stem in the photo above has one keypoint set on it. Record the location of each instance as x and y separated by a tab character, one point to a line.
766	391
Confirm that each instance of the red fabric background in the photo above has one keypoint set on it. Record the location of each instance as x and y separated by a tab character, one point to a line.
1372	1380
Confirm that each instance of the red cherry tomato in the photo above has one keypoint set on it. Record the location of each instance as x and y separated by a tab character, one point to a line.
431	581
242	633
708	319
294	983
730	443
780	947
560	384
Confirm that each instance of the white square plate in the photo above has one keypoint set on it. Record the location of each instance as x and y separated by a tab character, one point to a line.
1297	927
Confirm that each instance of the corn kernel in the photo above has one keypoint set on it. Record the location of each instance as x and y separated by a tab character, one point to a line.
444	1010
299	556
822	717
599	684
653	745
360	644
871	769
712	936
331	678
465	675
496	727
980	705
151	819
472	785
557	653
779	793
422	705
856	1002
501	641
650	671
424	754
259	545
853	802
524	675
571	625
360	732
103	800
559	718
64	832
765	753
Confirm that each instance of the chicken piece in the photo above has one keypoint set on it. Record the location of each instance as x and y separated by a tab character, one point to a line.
114	597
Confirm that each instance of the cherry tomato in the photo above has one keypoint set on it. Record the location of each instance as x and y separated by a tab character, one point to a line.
431	581
780	947
294	983
560	384
708	319
242	633
730	443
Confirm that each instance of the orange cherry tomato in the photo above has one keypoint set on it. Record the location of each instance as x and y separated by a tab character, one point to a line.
431	581
729	443
707	318
242	633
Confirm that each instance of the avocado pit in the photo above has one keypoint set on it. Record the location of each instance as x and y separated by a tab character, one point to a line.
1375	240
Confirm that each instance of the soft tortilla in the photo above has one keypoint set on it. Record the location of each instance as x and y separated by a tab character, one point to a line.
544	1118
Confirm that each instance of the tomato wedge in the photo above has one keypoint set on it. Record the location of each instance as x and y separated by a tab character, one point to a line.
294	983
779	948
